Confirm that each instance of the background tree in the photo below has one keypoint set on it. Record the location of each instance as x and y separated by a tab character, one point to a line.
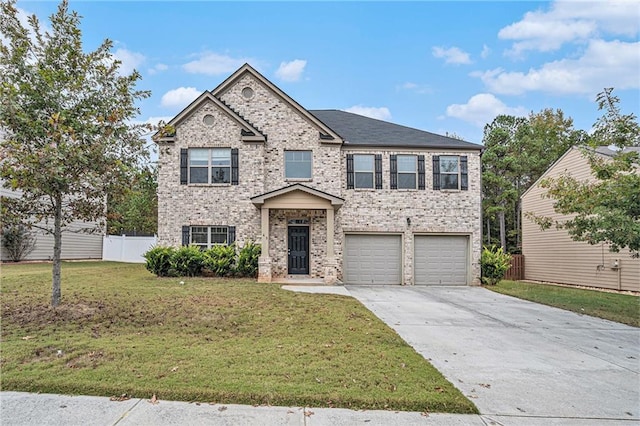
606	209
66	117
135	210
518	151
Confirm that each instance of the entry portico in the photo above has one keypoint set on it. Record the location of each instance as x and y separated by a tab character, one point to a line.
298	233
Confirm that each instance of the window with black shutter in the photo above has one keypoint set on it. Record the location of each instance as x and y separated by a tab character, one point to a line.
393	177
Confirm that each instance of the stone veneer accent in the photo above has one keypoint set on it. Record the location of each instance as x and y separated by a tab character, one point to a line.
261	169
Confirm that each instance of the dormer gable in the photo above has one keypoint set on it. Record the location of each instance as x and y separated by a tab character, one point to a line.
325	133
248	132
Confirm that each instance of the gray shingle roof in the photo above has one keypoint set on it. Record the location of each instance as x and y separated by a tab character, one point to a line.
358	130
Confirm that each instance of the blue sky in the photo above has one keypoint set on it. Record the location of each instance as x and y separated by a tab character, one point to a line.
445	67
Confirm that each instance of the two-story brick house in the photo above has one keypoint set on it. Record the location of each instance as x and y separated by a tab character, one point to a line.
329	194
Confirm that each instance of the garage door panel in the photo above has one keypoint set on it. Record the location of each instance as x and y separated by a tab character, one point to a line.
373	259
441	260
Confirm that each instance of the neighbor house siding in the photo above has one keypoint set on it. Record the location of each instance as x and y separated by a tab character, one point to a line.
75	245
552	256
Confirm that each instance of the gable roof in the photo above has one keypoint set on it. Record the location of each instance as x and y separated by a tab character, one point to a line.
357	130
259	200
326	133
249	132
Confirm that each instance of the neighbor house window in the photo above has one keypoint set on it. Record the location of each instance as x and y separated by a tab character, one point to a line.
363	169
407	171
208	236
297	164
450	172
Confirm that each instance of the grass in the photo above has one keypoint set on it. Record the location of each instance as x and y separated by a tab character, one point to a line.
623	308
121	330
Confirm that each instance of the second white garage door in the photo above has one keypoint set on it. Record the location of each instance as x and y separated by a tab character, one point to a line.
441	259
372	259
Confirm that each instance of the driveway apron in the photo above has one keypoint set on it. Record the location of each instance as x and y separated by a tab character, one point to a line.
517	358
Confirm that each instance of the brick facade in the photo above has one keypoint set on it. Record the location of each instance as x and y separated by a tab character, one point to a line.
261	170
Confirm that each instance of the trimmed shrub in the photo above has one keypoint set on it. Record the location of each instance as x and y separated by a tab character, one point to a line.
248	260
159	261
220	260
494	262
188	261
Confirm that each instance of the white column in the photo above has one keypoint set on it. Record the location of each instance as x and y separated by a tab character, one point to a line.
330	232
265	232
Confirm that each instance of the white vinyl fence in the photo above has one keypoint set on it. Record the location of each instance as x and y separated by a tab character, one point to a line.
125	248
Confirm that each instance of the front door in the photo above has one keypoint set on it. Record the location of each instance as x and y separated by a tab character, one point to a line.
299	250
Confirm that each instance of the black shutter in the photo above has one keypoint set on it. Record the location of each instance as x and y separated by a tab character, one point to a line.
184	170
349	171
421	179
394	171
185	236
464	175
378	171
436	172
231	235
234	166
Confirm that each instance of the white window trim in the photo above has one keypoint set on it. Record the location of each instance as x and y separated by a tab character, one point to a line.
209	166
457	173
298	179
415	172
372	171
209	243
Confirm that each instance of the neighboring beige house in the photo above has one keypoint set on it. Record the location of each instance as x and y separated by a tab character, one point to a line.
552	256
331	196
75	245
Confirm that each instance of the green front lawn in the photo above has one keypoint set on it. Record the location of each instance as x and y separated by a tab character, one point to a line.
624	308
121	330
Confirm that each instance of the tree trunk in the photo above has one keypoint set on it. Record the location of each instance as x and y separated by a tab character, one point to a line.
503	237
488	232
57	251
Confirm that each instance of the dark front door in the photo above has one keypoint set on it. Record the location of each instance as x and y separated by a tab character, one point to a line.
299	250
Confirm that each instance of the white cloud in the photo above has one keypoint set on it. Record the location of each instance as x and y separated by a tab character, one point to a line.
158	68
381	113
420	89
211	63
485	51
481	109
291	71
180	97
603	64
130	60
570	21
452	55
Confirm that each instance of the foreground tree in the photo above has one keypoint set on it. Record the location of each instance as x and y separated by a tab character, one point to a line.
65	117
607	208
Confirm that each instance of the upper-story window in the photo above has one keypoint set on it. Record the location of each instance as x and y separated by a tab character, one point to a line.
407	171
364	171
363	167
209	166
450	172
297	164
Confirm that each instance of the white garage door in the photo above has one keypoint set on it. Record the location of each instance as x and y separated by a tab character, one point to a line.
372	259
441	260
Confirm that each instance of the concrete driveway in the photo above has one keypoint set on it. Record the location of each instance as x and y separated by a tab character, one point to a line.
516	359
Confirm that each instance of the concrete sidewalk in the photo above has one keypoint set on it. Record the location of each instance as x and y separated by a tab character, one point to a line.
28	409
